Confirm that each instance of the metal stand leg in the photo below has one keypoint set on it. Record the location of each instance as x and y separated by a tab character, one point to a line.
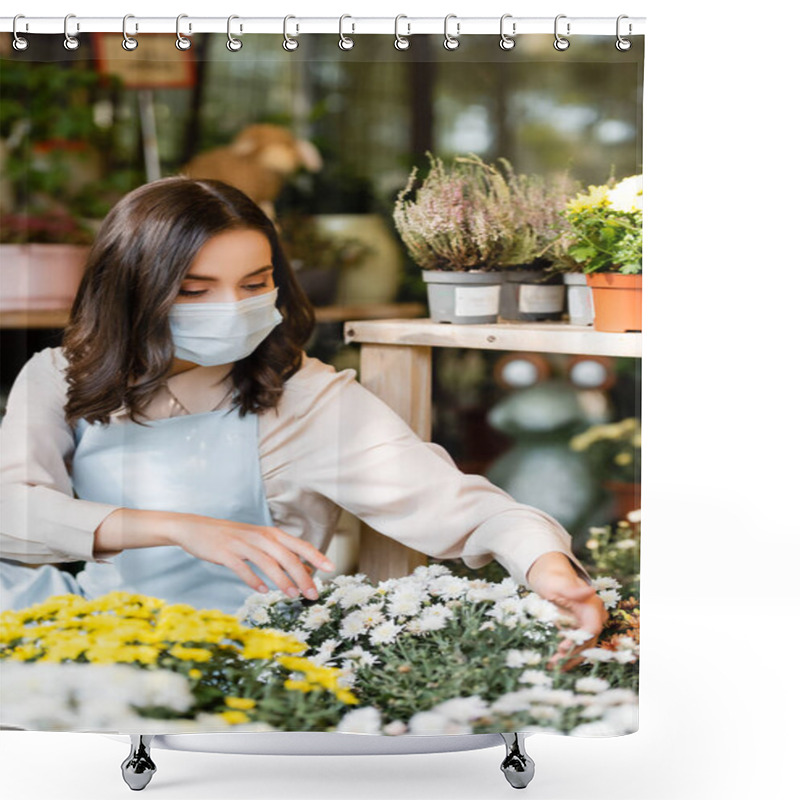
138	768
518	766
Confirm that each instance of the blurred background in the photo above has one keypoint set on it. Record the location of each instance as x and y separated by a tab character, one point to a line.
331	138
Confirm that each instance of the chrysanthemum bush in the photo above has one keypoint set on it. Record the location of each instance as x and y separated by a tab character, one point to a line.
433	653
606	227
613	448
430	653
128	660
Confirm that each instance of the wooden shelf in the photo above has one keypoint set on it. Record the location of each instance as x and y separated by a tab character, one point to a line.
57	318
539	337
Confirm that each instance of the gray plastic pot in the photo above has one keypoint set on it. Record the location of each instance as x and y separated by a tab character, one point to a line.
470	297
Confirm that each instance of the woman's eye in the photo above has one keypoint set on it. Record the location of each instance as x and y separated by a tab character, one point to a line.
187	293
255	285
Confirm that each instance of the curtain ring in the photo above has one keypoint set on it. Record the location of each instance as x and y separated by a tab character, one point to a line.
623	44
20	42
507	42
345	42
401	42
451	42
560	42
290	43
129	42
233	44
181	42
70	42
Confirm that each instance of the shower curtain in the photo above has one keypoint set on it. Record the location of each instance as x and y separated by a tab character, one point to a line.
459	429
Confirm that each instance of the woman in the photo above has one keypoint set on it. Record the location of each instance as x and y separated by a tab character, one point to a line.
183	445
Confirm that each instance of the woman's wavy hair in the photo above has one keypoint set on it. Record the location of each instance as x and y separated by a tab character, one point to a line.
118	342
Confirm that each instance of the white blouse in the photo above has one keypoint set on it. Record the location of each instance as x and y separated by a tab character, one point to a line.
330	444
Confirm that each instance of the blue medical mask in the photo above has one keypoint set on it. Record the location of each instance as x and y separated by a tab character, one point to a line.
219	333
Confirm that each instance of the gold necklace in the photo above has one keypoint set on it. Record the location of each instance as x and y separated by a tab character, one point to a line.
175	398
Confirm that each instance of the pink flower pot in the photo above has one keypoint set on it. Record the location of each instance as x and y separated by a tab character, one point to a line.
40	276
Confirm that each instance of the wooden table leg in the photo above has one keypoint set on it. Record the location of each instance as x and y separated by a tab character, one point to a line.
399	375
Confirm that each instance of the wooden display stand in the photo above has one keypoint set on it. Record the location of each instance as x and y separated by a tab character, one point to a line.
396	366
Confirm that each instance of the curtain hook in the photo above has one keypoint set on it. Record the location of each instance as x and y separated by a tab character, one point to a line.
451	42
560	42
623	44
20	42
233	44
345	42
507	42
181	42
290	43
70	42
129	42
401	42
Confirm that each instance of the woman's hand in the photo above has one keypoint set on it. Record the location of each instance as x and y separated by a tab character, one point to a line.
276	553
553	577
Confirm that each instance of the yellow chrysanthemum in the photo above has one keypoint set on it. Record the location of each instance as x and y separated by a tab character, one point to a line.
302	686
240	703
234	717
195	674
623	459
190	653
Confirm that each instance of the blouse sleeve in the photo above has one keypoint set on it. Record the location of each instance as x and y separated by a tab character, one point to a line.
41	521
355	449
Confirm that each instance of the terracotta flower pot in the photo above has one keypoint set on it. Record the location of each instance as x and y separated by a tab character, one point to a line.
617	301
627	497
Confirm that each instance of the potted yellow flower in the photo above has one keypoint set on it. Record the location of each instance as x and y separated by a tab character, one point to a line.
606	225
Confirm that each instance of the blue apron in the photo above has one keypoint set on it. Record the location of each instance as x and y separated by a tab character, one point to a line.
205	464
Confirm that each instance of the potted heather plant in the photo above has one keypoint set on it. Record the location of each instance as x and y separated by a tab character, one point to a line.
450	228
606	227
532	235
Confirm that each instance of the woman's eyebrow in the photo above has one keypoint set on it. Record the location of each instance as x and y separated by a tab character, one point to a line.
268	268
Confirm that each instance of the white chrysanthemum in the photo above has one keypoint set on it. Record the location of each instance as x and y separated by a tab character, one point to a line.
605	582
536	677
355	595
315	617
258	615
624	656
395	728
487	626
617	696
626	544
448	587
546	713
434	618
539	608
577	635
610	597
354	625
404	604
598	654
348	676
635	515
591	684
430	571
429	723
523	658
511	703
627	194
384	633
463	709
360	720
359	656
592	711
623	718
479	591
